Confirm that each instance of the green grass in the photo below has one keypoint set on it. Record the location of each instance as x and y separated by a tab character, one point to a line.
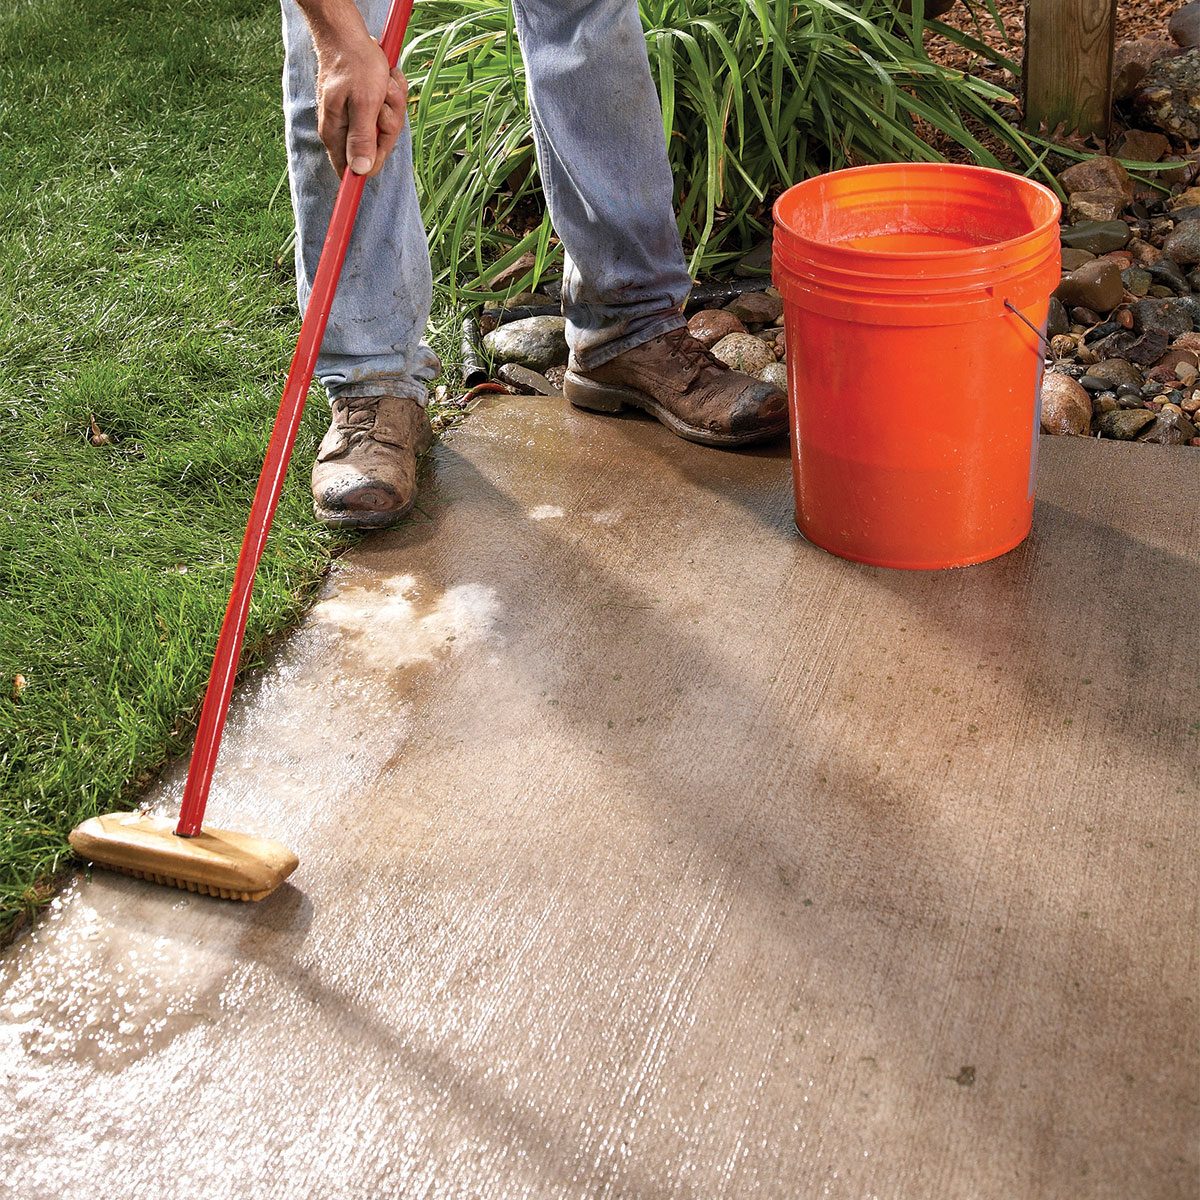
139	147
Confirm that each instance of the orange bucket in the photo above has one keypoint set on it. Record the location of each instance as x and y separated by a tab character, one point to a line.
914	376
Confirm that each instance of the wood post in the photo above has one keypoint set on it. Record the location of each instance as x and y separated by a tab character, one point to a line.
1069	64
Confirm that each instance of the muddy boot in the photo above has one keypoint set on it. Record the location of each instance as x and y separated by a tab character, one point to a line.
674	378
365	476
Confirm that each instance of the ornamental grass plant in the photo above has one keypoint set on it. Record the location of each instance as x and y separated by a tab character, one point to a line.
756	94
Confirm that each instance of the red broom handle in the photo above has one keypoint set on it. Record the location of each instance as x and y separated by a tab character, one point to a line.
270	482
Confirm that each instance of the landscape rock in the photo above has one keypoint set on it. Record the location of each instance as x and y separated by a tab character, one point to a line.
776	374
535	342
1057	321
1183	243
1173	361
1172	317
1115	372
757	308
1071	259
1142	145
1096	206
1184	25
1168	98
1125	424
1171	428
1187	341
1066	407
710	325
1100	174
1098	237
1144	253
1144	348
745	352
1132	60
1096	285
1137	280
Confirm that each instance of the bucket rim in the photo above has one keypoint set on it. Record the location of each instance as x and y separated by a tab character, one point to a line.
837	250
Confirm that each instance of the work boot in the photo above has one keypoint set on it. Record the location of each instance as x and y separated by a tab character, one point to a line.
365	476
676	380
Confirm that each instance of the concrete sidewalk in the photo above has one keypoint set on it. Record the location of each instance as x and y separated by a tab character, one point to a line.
647	851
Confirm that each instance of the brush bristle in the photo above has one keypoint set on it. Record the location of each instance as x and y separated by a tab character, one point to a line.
186	885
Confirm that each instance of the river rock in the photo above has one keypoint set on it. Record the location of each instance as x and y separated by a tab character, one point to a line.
775	374
710	325
757	308
1057	321
1096	206
1168	98
1099	237
1183	243
1187	341
1096	285
1066	407
1132	60
1142	145
1143	348
1136	281
744	352
1171	428
1099	174
1174	316
1074	259
1116	371
536	342
1184	25
1125	423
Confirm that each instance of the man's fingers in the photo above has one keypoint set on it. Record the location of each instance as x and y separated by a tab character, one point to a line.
391	122
362	140
332	132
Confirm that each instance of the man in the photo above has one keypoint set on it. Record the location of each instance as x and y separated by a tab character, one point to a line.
598	133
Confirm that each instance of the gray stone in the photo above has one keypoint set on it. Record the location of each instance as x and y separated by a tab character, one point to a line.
776	374
1183	244
743	352
1168	98
536	342
1144	348
1116	372
1099	237
1174	316
1137	280
1066	407
1170	428
1132	60
1125	423
757	308
710	325
1095	285
1184	25
525	380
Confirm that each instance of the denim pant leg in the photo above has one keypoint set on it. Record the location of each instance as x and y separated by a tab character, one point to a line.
597	124
373	343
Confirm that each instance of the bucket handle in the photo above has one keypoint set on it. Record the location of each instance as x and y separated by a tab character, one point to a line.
1041	337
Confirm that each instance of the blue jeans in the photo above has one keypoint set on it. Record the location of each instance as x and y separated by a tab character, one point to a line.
598	131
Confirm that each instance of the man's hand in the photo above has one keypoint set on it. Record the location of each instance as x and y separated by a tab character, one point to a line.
360	105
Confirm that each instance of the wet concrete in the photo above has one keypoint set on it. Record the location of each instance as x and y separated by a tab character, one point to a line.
647	851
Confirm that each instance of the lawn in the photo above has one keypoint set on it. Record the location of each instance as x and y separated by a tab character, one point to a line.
142	307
